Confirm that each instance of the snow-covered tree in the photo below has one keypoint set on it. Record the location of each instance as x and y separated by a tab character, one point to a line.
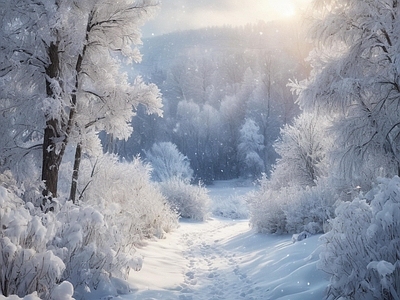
355	78
64	58
303	150
167	163
297	190
355	81
251	143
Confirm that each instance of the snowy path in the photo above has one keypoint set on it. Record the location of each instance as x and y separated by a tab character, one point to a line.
225	259
212	266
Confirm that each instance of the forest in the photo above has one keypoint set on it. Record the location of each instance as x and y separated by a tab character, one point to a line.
225	96
108	139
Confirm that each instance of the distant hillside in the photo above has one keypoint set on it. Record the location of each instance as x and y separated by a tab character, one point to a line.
283	38
221	85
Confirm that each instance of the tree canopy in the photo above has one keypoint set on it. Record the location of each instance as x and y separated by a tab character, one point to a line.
61	79
355	79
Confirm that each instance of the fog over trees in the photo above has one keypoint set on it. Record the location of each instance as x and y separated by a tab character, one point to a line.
213	82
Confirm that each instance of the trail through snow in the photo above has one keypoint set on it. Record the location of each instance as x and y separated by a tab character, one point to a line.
226	259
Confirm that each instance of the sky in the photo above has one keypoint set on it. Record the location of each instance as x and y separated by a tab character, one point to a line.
192	14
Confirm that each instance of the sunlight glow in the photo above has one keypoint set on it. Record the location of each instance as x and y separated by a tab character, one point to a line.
283	8
189	14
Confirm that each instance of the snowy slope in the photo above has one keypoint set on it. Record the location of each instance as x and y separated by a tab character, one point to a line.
225	259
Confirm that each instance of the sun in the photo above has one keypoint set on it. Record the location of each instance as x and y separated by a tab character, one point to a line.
283	8
278	9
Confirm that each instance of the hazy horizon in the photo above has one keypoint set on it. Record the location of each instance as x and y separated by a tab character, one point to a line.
185	14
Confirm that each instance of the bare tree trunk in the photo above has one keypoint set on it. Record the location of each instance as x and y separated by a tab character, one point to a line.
51	159
52	140
75	173
78	150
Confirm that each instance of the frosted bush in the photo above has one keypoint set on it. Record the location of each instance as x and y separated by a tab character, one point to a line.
190	201
361	252
168	162
91	250
7	181
29	190
266	208
32	296
131	204
233	206
26	265
296	197
291	209
310	209
77	250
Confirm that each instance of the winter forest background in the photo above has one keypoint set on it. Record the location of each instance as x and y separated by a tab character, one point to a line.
225	96
106	142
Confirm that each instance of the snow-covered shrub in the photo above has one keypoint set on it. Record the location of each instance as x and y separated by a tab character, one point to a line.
168	162
229	197
29	189
119	206
297	196
266	208
26	265
233	207
32	296
361	252
291	209
91	250
190	201
310	208
129	201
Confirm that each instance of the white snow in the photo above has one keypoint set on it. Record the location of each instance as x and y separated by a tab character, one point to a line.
228	200
225	259
64	291
384	268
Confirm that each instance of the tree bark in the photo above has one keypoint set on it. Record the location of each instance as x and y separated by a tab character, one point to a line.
75	173
78	151
52	154
51	159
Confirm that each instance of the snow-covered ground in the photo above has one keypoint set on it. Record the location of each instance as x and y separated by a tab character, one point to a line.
225	259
